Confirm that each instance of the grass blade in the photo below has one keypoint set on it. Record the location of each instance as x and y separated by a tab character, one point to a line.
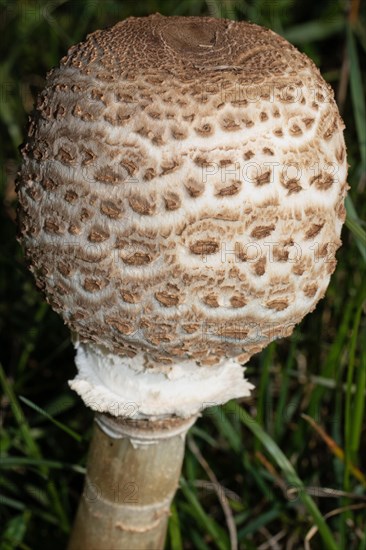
292	478
224	425
349	425
357	94
174	530
353	224
335	449
60	425
359	399
16	461
32	447
210	526
314	30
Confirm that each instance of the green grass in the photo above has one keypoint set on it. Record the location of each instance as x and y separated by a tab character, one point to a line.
270	463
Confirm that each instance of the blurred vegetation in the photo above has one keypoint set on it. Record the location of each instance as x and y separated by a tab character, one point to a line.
283	470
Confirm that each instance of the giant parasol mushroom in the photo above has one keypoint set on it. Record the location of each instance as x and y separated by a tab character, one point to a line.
181	202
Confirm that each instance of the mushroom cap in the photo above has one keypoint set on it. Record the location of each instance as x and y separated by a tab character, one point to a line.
182	188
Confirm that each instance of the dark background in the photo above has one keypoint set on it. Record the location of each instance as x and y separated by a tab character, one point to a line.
319	372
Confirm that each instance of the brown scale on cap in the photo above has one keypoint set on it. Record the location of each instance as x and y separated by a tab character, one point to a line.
182	188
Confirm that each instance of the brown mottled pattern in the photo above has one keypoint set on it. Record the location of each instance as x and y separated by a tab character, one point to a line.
182	188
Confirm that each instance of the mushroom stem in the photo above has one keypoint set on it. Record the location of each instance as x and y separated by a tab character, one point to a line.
132	475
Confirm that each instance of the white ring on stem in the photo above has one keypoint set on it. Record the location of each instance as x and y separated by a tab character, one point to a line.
126	387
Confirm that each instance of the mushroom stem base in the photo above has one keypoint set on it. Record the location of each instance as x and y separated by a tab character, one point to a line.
132	475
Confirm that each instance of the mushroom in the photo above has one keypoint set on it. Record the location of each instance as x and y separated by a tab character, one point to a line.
181	202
